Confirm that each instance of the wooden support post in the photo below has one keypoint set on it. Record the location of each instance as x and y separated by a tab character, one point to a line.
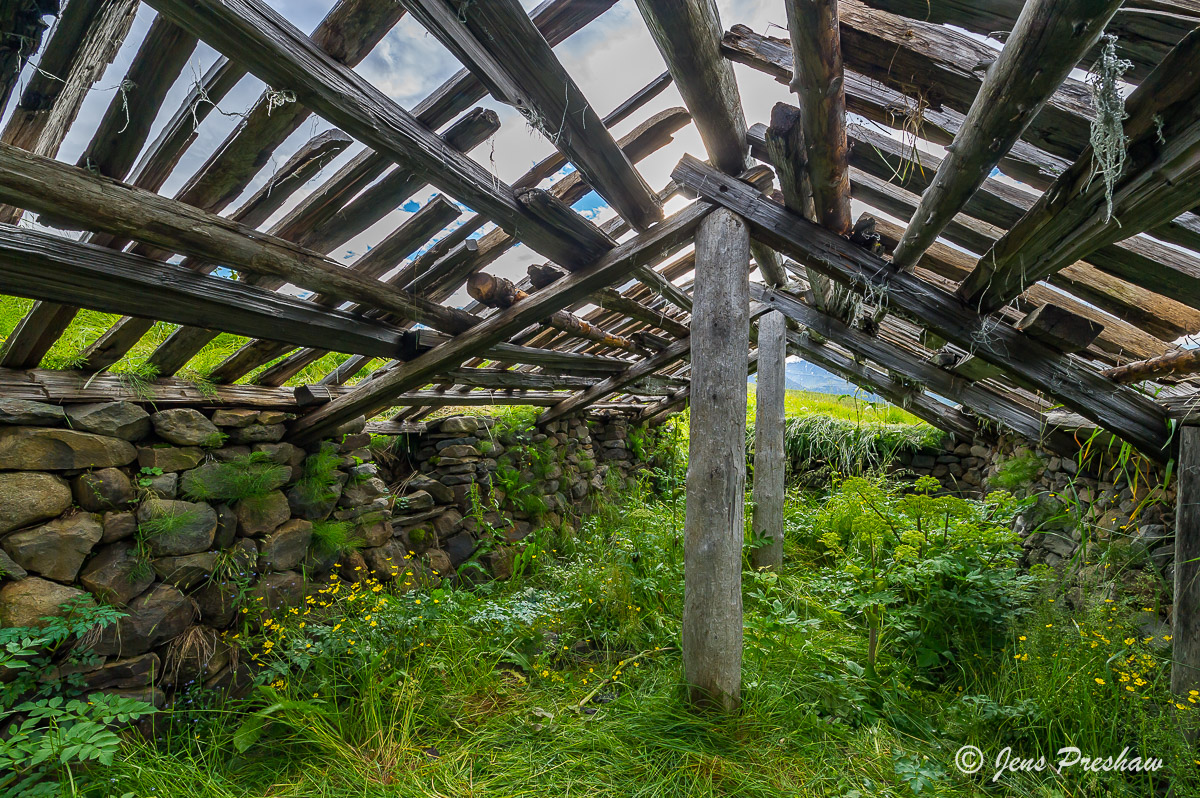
1185	632
769	463
716	479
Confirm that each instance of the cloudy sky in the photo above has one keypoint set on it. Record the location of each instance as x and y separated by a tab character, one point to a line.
610	60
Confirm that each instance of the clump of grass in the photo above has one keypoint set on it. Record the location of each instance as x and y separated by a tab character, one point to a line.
241	478
333	537
849	447
318	476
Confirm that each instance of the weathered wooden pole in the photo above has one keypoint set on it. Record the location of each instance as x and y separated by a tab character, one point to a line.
1185	642
771	389
716	479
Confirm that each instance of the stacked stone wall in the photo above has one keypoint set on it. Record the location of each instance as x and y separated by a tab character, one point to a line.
195	522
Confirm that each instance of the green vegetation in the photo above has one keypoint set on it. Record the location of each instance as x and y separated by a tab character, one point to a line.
1017	472
54	729
898	632
240	478
333	537
318	476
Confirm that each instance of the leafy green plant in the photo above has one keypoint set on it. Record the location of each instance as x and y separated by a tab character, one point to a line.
1017	472
848	446
241	478
50	726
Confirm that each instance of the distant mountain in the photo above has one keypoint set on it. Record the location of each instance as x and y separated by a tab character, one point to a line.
804	376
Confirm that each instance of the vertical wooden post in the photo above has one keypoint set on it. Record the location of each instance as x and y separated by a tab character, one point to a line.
769	461
716	479
1185	655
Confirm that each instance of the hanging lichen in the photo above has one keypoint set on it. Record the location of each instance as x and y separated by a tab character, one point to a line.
1108	139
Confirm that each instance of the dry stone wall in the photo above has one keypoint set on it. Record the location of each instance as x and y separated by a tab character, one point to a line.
195	522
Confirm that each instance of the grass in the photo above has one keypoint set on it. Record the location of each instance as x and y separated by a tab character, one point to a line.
240	478
88	325
566	681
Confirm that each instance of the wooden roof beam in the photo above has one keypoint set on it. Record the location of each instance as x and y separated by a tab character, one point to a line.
1144	39
280	55
688	34
1126	413
1160	180
1049	38
819	84
500	44
939	124
300	226
48	186
669	236
1152	266
42	266
1154	315
23	28
46	321
915	401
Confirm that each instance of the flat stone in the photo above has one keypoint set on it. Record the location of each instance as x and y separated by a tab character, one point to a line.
352	427
49	449
27	602
262	514
448	442
351	443
234	417
125	674
105	489
440	493
218	602
163	486
171	528
26	498
23	412
460	450
118	526
123	420
282	453
415	501
116	574
170	458
185	426
451	480
55	550
187	570
373	534
363	492
447	524
460	424
275	592
156	616
387	562
459	548
258	433
439	562
9	568
228	454
270	417
284	549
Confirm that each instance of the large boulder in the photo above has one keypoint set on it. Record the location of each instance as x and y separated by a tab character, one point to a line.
23	412
459	424
314	502
123	420
170	458
116	574
48	449
259	515
186	571
364	492
186	427
258	433
156	616
27	602
118	526
55	550
170	528
284	549
234	417
106	489
26	498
